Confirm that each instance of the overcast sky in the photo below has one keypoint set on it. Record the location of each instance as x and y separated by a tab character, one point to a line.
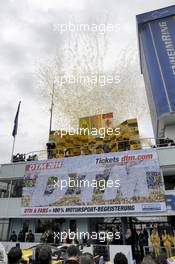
27	38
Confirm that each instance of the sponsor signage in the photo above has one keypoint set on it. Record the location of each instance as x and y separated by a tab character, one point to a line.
112	183
157	57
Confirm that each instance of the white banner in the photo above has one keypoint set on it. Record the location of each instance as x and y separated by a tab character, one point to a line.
122	182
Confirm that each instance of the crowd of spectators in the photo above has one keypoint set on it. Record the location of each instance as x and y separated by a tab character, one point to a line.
142	242
139	240
165	142
43	255
22	157
19	157
22	236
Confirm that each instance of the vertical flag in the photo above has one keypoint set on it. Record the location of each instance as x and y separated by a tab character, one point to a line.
15	128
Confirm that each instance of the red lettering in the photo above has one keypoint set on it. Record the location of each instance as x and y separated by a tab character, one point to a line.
42	210
28	210
43	166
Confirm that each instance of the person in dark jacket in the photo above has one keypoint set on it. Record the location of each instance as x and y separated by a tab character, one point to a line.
142	243
128	237
87	259
73	254
13	237
14	255
146	240
120	258
30	237
21	236
50	238
45	255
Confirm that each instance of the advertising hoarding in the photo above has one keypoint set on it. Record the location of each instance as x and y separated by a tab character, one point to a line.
104	184
157	57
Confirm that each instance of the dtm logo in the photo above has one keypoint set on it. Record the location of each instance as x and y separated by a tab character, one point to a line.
170	201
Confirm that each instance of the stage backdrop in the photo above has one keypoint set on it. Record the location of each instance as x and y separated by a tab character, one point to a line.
112	183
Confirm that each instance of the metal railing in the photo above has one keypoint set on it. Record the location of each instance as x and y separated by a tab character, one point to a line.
121	145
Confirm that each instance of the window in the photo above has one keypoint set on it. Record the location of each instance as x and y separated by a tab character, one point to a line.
4	188
47	224
11	188
16	188
169	182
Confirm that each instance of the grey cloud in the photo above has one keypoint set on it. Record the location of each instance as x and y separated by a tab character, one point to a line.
6	108
13	54
25	84
45	37
6	111
7	115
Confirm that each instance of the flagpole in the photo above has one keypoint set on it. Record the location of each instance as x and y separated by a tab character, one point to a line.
51	108
13	148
